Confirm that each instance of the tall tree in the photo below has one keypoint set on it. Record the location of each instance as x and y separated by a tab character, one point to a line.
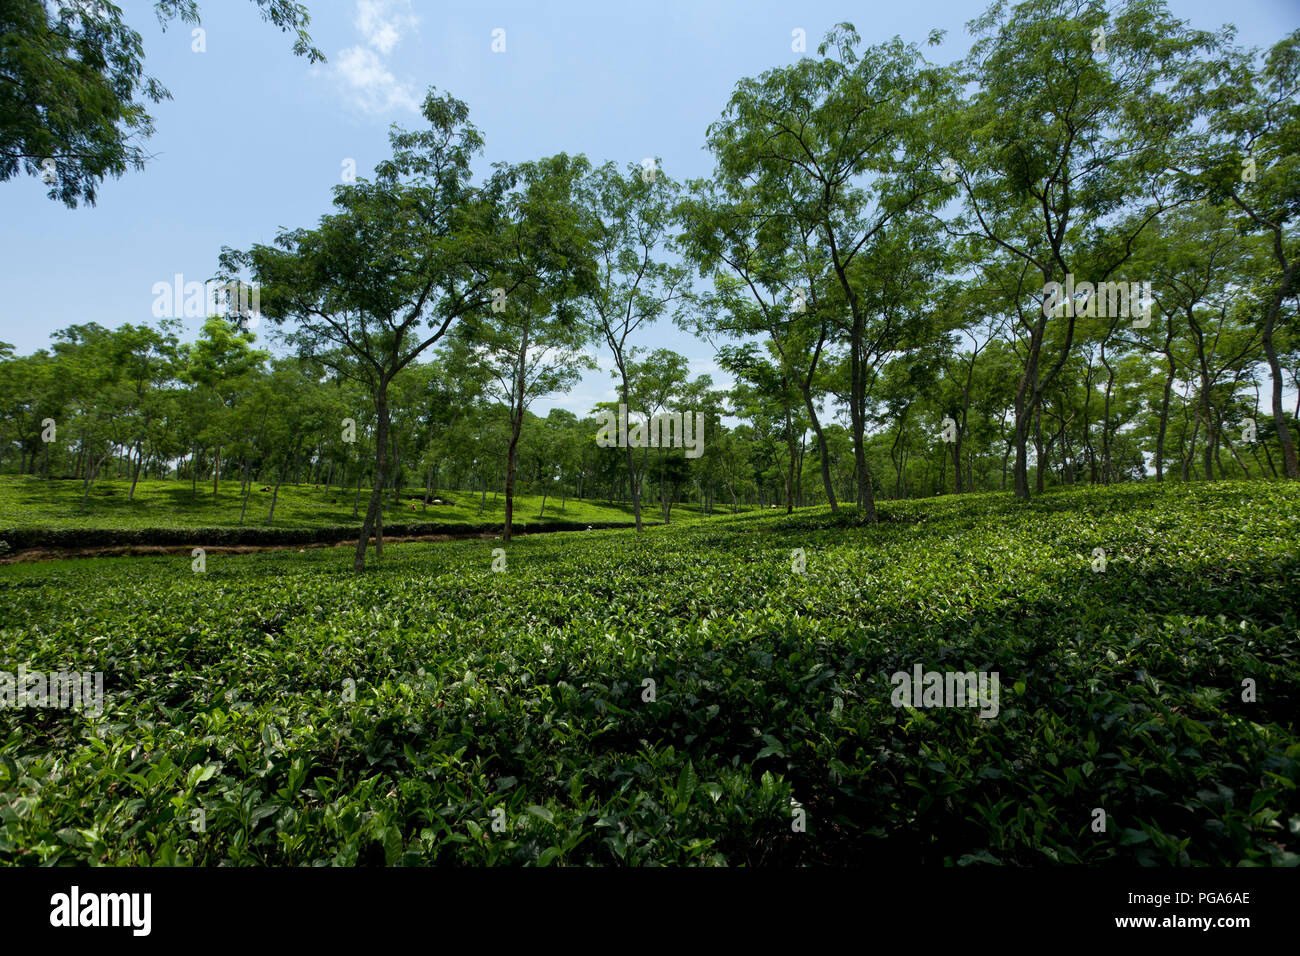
1248	161
534	335
762	286
1078	112
384	278
215	364
73	85
841	145
636	284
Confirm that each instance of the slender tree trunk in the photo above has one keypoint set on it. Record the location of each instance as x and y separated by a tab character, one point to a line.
512	458
896	454
789	481
798	473
1020	470
1191	450
1290	465
516	427
374	516
1210	430
956	465
1039	460
857	385
1106	469
1164	405
397	473
634	486
248	490
1006	457
135	475
275	492
1024	409
857	413
1029	394
91	469
1268	456
1233	450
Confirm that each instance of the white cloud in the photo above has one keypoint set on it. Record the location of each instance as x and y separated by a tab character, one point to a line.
371	85
382	22
363	69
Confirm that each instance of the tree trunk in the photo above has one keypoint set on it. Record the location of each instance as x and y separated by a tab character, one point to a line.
956	464
1191	450
275	493
898	455
1290	465
1164	405
1039	460
1233	450
1020	470
516	427
397	473
789	479
1207	416
248	490
374	518
1105	419
91	469
857	414
512	457
135	475
633	485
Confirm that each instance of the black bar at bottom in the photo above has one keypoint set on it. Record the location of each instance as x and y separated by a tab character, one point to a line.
239	906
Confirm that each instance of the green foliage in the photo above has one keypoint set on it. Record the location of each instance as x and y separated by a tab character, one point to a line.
74	86
522	692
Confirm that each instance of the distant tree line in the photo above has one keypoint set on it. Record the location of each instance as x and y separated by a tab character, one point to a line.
872	258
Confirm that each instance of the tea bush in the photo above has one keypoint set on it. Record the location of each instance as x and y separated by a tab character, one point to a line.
432	711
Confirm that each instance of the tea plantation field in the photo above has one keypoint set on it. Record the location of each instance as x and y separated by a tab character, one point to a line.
37	513
685	696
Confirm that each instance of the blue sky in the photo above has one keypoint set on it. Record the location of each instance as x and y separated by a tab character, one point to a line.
254	137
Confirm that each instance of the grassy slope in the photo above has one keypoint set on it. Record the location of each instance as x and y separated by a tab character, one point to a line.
35	503
522	692
38	513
